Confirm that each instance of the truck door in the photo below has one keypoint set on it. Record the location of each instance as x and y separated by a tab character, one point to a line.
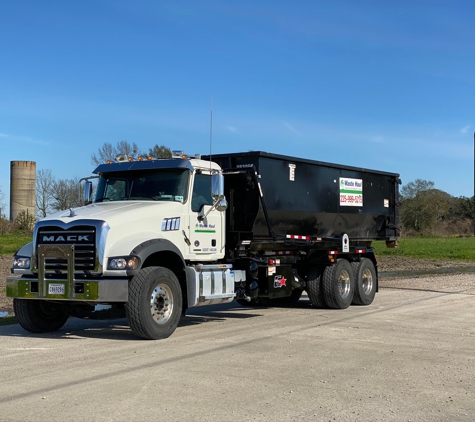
206	235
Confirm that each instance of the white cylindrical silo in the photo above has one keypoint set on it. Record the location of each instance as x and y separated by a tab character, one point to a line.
22	188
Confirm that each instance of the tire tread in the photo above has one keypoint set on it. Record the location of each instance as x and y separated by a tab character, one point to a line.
359	297
28	314
330	287
315	288
138	287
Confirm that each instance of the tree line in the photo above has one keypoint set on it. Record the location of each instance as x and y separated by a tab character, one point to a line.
423	209
430	211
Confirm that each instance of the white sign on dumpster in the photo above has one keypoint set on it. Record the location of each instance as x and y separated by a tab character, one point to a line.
351	192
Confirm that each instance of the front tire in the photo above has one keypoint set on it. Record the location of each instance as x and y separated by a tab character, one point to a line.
155	303
38	316
339	285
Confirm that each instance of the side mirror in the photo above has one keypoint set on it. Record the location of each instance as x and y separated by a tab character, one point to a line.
217	187
217	192
87	191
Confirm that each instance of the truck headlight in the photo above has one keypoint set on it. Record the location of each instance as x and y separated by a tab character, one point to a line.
123	263
21	263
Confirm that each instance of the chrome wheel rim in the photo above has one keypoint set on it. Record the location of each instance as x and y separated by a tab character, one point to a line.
344	284
161	303
367	281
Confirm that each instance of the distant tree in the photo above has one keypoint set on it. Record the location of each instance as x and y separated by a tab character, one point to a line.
66	194
6	226
422	205
45	183
109	152
106	152
24	222
413	189
462	208
125	148
160	151
2	204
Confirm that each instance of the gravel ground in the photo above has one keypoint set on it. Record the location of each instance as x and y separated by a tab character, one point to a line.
426	274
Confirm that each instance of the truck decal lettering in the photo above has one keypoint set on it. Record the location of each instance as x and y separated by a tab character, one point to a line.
205	228
70	238
351	192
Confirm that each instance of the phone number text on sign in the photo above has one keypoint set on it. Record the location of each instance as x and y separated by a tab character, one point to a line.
351	200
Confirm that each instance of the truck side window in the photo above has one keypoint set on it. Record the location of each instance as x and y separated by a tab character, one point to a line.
201	192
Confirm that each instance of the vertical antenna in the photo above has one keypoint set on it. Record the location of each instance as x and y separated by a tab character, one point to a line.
210	132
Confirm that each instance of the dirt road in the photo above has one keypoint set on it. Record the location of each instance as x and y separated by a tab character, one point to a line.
407	357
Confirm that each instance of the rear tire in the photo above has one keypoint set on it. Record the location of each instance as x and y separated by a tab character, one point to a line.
38	316
338	285
365	282
315	288
155	303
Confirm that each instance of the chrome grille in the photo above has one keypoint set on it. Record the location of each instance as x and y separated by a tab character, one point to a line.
82	237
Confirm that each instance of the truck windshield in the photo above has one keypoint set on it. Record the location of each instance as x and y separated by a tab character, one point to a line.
163	185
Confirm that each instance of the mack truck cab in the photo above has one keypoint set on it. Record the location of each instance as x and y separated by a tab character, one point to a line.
148	247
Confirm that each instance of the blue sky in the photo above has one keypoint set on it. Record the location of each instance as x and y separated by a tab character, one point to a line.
377	84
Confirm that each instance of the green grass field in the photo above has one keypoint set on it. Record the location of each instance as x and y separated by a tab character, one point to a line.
415	247
447	248
10	243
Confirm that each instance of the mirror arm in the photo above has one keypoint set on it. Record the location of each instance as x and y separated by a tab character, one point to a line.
202	217
219	202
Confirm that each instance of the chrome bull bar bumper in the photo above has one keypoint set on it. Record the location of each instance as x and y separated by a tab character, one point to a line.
69	288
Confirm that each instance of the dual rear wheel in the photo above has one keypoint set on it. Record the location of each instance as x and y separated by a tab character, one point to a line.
365	286
342	284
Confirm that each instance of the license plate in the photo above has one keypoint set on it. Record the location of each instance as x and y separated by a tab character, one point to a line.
56	289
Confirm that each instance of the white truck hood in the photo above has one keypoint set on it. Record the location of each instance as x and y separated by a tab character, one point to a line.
129	223
117	213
